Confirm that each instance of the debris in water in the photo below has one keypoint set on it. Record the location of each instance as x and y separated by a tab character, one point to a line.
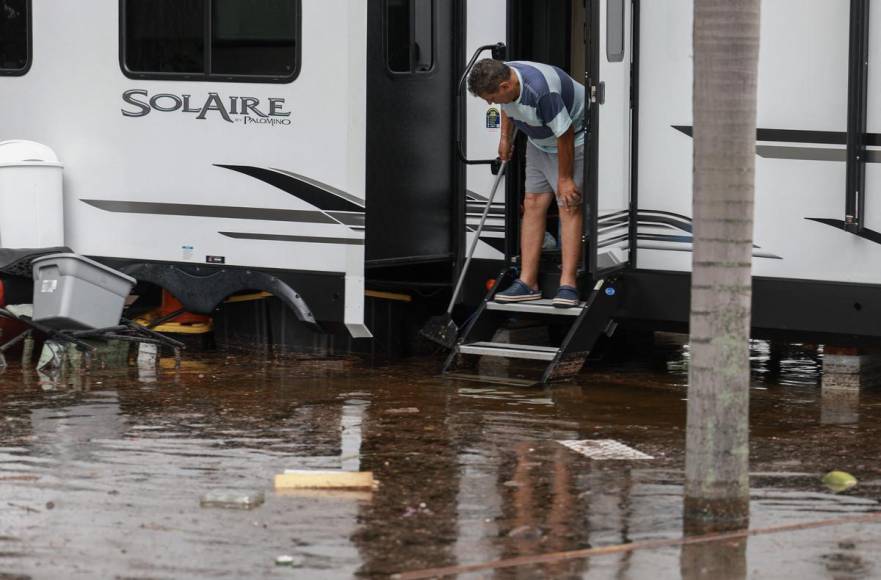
148	355
403	411
421	509
232	499
601	449
525	533
839	481
316	479
288	561
51	357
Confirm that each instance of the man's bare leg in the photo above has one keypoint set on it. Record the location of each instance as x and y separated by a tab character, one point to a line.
532	235
572	225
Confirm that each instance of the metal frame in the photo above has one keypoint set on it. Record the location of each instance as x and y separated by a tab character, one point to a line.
385	46
634	140
208	76
857	89
127	331
593	90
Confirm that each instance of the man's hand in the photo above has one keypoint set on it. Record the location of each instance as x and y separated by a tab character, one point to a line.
568	194
505	148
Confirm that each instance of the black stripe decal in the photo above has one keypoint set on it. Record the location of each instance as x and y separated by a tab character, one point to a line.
300	239
799	136
866	234
213	211
676	223
325	198
337	192
801	153
353	220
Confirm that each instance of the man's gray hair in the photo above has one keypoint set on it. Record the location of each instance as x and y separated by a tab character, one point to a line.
486	76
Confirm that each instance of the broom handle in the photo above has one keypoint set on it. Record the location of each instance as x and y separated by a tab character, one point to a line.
489	203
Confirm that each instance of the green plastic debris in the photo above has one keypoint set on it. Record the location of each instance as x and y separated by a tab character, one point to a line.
838	481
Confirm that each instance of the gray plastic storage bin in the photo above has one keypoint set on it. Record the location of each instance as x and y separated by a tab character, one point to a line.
72	292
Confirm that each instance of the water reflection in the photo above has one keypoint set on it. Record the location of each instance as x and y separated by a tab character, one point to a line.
724	559
72	432
846	562
840	406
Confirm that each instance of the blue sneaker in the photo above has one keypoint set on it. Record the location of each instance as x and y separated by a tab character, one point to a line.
567	296
518	291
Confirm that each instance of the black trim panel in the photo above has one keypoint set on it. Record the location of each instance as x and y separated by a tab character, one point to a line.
796	309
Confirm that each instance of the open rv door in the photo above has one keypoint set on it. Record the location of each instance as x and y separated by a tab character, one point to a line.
610	224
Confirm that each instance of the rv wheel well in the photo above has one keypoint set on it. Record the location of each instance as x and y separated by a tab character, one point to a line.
201	294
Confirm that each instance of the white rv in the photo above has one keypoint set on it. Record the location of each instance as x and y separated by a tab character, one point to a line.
217	146
303	146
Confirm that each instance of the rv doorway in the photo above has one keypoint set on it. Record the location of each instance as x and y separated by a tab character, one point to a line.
412	175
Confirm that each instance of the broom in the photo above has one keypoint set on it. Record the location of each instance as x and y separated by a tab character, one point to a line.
441	329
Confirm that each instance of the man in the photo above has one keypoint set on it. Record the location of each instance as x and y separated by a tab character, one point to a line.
548	106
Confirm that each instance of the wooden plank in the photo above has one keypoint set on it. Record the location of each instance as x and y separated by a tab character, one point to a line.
388	296
313	479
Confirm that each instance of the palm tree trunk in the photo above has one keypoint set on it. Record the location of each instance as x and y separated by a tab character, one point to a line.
726	50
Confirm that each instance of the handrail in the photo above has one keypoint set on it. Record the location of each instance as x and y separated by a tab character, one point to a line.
498	52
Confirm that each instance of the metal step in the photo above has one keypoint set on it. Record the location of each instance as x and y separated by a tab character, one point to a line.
543	306
502	349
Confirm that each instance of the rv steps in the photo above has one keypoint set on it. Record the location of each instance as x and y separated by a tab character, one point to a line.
544	306
524	351
580	327
507	381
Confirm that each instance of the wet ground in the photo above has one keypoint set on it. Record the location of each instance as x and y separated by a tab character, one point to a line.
102	476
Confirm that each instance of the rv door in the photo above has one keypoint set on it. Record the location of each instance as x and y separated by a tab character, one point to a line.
609	60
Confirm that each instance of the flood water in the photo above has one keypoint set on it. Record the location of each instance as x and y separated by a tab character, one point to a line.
101	476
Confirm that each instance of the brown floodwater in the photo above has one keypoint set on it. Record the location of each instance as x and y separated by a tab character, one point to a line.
102	475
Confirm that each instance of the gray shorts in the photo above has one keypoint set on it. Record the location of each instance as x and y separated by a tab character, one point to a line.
541	170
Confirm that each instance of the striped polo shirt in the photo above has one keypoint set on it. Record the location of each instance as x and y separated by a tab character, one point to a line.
550	102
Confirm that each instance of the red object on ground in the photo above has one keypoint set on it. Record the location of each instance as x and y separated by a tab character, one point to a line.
9	329
171	304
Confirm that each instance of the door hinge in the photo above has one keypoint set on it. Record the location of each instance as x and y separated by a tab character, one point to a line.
598	93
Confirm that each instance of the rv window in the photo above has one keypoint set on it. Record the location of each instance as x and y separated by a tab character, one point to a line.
230	40
397	23
409	35
615	30
254	37
14	36
165	36
423	34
